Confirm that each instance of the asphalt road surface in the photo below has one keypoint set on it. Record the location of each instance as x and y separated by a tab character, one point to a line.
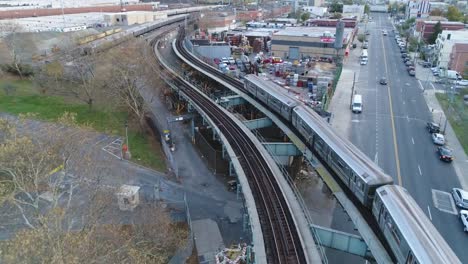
391	131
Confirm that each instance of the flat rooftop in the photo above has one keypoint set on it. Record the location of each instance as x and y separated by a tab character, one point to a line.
50	23
313	32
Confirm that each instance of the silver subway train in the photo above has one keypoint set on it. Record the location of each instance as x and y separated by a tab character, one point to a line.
411	236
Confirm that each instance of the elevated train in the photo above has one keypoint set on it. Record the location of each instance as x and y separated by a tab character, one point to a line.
409	233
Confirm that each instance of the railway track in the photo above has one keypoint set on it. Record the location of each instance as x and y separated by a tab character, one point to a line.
281	237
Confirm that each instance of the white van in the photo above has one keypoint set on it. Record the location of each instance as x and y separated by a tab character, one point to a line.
356	107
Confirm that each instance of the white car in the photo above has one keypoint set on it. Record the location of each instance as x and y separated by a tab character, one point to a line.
462	82
464	219
363	62
438	139
460	197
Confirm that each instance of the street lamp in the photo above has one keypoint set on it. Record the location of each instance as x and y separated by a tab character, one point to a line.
126	131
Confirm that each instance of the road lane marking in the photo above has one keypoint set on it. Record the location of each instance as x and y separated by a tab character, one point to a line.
429	210
420	85
420	172
433	86
376	158
395	147
412	139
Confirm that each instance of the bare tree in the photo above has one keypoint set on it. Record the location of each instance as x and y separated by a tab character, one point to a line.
9	31
71	221
130	70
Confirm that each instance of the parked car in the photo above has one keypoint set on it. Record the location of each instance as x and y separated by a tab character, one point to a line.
445	154
426	64
464	219
409	63
412	72
406	59
404	55
438	139
433	127
436	73
383	81
410	68
465	99
462	82
460	197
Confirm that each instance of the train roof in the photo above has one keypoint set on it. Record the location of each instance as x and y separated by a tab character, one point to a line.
273	89
350	154
427	244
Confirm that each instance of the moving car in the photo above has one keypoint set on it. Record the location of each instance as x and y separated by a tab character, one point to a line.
445	154
438	139
464	219
357	103
384	32
383	81
433	127
460	197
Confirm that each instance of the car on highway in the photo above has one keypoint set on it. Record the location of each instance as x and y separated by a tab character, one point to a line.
445	154
383	81
384	32
460	197
462	82
464	219
438	139
433	127
412	72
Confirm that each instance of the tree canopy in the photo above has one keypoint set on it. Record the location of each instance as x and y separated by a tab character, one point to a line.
453	14
335	6
437	30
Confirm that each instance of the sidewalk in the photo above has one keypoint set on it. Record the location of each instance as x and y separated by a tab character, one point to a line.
461	159
341	100
425	77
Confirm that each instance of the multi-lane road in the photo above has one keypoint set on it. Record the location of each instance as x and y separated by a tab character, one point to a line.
391	130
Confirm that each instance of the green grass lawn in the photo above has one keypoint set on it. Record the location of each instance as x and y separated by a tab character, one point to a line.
458	116
25	99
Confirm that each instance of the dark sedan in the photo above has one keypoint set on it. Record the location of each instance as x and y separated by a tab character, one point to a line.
412	72
383	81
433	127
445	154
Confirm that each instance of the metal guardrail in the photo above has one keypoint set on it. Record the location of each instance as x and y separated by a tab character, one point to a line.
299	199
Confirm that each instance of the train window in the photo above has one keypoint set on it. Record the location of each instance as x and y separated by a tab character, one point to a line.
394	230
306	127
411	259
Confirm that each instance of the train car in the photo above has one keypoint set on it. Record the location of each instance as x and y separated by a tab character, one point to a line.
357	173
409	232
270	94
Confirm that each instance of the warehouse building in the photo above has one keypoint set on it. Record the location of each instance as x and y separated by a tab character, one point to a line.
294	43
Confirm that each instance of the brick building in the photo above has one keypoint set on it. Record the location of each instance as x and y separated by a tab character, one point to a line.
459	58
428	27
